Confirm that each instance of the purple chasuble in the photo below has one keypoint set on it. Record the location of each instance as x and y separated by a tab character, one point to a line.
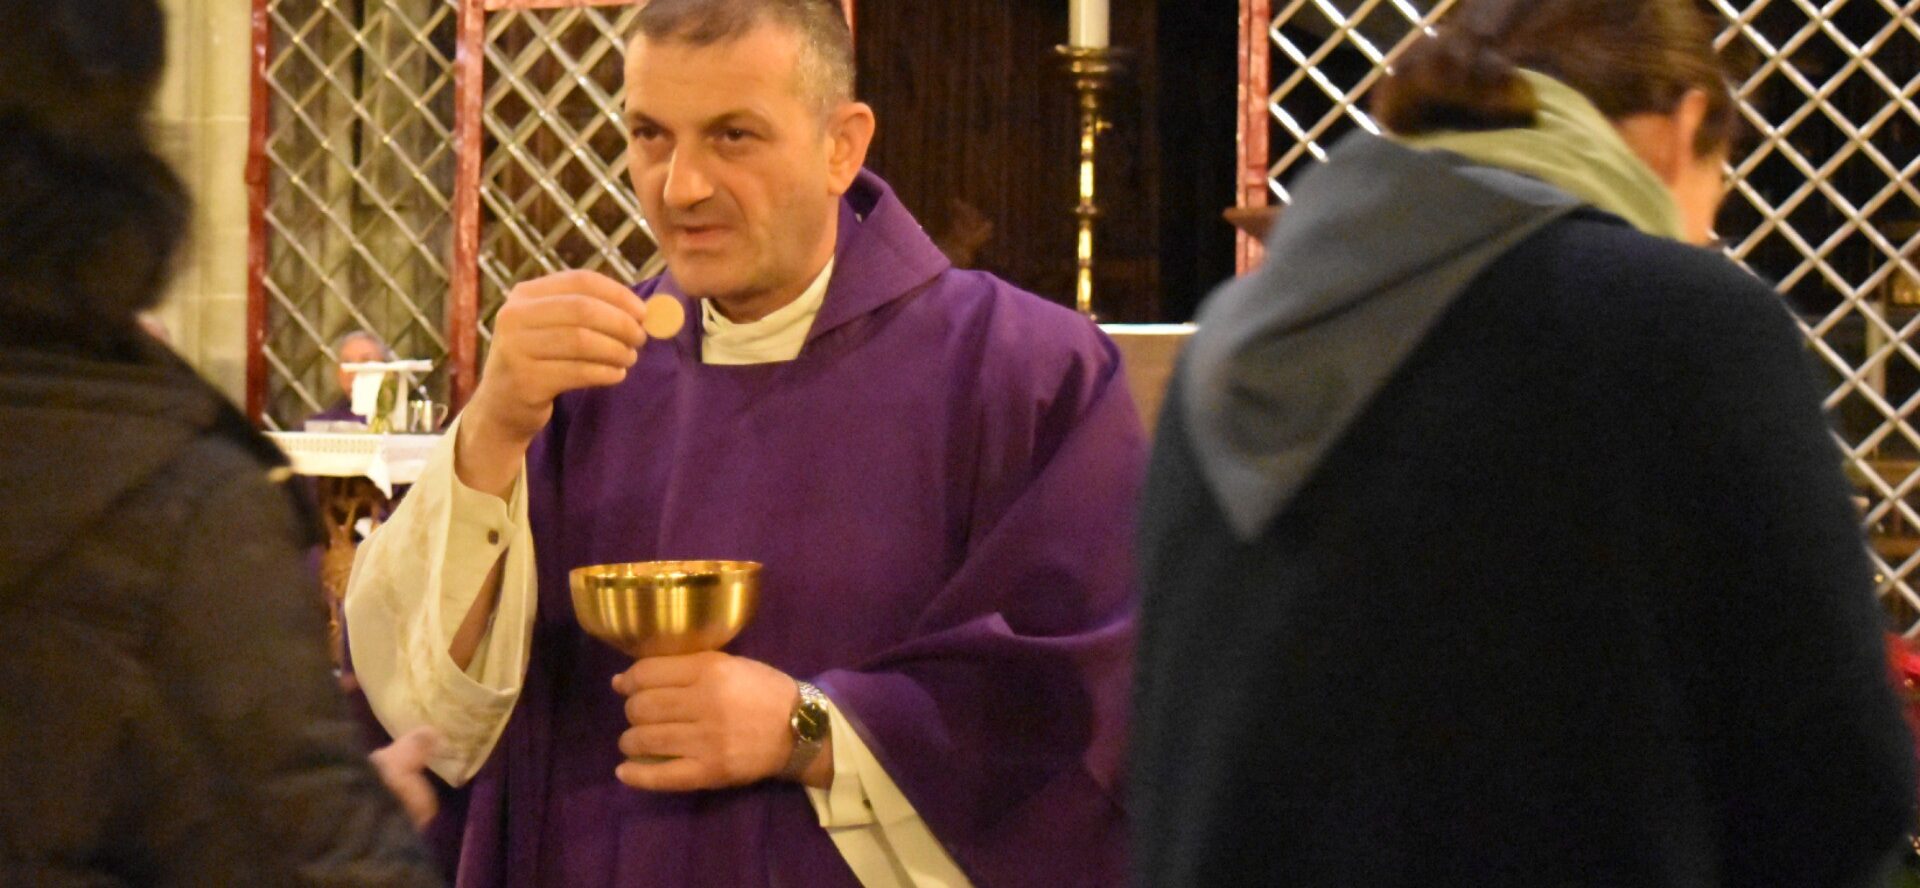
942	489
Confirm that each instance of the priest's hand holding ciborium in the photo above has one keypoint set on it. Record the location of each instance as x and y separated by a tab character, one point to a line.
699	719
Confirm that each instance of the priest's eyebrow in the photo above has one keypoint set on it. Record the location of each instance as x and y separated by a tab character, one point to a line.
719	123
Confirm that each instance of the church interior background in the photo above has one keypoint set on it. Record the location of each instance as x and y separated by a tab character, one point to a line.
396	165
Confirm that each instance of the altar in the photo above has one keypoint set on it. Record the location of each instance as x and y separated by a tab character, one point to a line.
1149	352
357	476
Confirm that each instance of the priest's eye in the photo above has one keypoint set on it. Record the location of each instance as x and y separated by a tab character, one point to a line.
647	132
735	136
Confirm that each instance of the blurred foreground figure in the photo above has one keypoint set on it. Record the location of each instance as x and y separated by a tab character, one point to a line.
166	712
1495	536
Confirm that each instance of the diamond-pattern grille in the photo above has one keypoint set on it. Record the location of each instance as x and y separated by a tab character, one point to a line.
360	176
1328	55
1825	204
1824	200
554	189
363	168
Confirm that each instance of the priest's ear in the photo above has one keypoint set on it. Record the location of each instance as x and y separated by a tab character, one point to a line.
849	133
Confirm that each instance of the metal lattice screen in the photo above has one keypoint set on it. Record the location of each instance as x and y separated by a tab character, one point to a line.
554	186
1328	56
366	147
1824	202
360	177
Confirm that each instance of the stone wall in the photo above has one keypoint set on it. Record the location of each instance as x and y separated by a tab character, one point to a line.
200	122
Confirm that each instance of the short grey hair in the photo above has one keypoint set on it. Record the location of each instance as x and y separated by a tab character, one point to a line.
386	354
826	64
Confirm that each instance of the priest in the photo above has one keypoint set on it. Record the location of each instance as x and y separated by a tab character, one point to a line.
937	470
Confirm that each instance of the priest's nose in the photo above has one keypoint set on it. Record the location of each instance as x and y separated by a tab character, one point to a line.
687	185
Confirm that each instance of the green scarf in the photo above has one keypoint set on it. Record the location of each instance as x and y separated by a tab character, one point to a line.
1575	148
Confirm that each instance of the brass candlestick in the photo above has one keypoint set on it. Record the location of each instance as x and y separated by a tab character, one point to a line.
1092	69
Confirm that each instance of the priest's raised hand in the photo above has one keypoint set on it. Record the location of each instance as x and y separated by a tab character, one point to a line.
566	331
711	721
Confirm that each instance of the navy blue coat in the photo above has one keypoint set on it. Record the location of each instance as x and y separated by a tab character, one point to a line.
1579	599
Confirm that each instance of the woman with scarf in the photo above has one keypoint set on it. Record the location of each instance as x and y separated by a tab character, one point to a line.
166	712
1495	536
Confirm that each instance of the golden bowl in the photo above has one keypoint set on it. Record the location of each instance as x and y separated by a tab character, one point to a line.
666	608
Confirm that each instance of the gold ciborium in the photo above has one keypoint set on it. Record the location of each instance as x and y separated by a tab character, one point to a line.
666	608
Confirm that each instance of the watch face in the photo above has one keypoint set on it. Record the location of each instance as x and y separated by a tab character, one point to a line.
810	723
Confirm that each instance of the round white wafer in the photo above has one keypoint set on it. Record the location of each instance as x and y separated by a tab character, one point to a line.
665	317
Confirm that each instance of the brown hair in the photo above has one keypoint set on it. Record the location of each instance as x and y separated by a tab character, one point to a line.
1627	56
826	40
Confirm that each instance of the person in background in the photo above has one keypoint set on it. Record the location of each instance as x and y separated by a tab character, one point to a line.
353	347
166	712
1494	535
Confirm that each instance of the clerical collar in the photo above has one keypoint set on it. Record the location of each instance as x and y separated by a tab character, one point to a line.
777	337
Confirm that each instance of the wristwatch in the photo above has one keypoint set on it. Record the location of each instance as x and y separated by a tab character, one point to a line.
809	723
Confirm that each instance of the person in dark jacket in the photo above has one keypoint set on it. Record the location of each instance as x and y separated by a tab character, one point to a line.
1494	535
166	712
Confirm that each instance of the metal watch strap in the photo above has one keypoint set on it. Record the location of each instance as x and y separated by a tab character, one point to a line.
809	726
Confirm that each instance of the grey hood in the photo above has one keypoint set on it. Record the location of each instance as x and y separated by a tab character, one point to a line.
1377	244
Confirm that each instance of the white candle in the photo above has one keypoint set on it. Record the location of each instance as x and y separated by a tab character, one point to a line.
1087	26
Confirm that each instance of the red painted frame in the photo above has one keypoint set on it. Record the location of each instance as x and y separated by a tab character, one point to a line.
257	174
1256	74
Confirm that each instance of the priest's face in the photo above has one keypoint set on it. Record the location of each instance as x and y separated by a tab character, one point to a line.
738	167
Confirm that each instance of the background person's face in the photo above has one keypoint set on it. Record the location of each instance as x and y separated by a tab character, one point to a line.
1699	191
1667	144
731	163
357	350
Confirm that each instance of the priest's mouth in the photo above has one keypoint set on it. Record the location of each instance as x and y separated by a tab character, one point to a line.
701	236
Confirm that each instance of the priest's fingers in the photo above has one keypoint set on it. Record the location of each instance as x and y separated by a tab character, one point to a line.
665	672
661	706
576	344
558	377
678	775
574	310
584	283
672	741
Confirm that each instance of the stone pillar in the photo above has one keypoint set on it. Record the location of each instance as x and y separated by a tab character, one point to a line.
200	123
